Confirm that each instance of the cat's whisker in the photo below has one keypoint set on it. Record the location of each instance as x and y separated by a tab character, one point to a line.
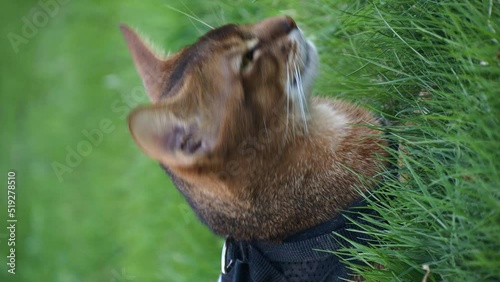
303	101
288	93
298	104
300	91
291	93
193	17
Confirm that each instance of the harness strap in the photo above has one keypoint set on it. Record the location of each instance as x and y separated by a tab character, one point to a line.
306	254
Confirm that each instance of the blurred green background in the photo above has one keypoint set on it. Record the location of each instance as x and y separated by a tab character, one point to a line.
110	213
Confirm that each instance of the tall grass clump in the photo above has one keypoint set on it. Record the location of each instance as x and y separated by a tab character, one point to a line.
433	67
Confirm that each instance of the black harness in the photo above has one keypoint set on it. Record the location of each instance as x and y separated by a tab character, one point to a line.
306	256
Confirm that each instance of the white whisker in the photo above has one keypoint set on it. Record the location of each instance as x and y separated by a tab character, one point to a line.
287	95
193	17
301	95
303	101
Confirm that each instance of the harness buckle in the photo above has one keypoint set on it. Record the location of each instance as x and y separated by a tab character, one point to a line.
225	265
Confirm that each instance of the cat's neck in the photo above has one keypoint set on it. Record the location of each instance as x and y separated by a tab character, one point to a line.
266	191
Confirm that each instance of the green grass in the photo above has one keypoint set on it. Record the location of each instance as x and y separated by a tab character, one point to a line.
116	217
435	67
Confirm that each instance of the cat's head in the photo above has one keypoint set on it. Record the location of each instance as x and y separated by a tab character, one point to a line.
211	95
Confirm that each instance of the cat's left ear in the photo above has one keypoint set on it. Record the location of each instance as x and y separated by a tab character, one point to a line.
148	63
167	138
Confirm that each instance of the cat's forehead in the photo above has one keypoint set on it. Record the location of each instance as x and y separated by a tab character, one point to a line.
203	48
226	32
222	47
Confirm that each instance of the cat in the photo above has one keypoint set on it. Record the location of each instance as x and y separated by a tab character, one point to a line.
233	123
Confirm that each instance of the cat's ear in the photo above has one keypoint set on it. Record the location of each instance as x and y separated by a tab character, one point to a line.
168	139
149	65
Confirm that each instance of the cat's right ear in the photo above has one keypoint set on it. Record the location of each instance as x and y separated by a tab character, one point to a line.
149	65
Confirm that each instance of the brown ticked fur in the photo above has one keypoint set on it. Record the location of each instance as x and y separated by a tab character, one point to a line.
251	164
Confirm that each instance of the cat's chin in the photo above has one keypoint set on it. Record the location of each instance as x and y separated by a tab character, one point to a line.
306	58
310	66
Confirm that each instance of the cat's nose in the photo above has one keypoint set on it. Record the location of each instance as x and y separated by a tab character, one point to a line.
288	24
275	27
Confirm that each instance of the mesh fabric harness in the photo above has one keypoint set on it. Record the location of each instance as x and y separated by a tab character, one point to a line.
304	257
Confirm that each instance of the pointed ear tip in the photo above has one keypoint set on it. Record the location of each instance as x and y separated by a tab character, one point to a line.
125	28
140	116
132	116
133	127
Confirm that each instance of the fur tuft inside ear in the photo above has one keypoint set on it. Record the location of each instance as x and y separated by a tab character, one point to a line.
166	138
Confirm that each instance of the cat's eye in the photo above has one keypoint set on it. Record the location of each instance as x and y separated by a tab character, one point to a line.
248	57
